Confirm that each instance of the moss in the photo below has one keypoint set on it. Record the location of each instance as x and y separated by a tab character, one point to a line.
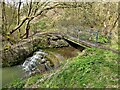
53	59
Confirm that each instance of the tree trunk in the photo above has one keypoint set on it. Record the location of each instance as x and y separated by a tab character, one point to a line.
28	23
4	28
18	19
27	29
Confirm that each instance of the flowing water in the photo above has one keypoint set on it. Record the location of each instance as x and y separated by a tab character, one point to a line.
10	74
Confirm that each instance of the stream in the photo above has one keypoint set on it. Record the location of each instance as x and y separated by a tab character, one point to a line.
10	74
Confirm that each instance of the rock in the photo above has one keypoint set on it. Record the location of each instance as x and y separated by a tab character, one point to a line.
54	38
43	61
41	68
13	57
58	43
60	36
53	43
47	65
62	43
36	63
19	52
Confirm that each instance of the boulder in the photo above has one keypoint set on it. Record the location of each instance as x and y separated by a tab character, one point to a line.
19	52
62	43
54	38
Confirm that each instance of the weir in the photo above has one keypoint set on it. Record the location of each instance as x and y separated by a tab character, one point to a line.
36	63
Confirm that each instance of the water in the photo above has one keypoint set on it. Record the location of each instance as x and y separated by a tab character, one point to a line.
10	74
65	52
32	64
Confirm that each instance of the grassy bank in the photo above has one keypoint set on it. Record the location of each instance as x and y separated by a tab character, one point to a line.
95	68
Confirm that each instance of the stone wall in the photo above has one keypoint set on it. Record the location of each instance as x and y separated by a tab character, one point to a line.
19	52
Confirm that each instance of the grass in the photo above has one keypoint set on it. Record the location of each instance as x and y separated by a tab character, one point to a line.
95	68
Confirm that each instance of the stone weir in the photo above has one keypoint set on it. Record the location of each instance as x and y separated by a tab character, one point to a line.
25	48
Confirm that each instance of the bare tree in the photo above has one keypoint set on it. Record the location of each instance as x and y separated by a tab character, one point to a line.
18	17
28	22
30	17
4	28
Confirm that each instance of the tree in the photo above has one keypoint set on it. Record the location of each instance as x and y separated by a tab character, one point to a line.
18	16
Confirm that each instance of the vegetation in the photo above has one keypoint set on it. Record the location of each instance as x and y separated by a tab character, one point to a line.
92	68
95	68
21	20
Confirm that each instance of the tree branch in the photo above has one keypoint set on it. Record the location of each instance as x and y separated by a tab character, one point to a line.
18	16
17	27
30	18
58	5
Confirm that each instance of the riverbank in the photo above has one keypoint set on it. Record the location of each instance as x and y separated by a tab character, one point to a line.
95	68
57	55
